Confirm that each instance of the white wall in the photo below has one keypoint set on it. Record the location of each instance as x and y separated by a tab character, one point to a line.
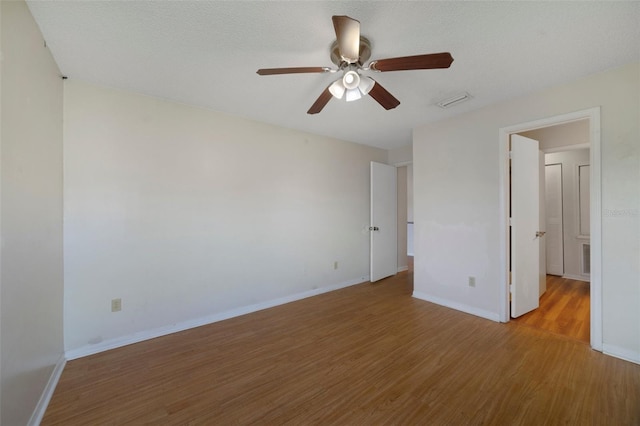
186	213
31	285
573	241
457	192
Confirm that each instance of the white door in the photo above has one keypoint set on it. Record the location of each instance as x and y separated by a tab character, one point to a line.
542	267
525	222
383	226
554	239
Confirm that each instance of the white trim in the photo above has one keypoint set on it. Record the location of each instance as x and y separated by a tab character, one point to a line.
593	115
47	393
197	322
493	316
402	163
595	229
622	353
504	216
403	268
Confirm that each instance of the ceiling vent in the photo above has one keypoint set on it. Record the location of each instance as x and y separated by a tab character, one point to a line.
454	100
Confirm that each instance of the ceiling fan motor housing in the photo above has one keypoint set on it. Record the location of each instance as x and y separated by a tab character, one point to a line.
365	53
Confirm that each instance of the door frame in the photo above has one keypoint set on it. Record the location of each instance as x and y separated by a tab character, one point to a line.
593	115
403	250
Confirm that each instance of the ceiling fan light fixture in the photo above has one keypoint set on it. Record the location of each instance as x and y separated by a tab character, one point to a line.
349	52
353	94
337	89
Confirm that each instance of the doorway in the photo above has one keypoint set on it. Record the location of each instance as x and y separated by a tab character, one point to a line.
564	299
594	256
405	215
407	249
399	175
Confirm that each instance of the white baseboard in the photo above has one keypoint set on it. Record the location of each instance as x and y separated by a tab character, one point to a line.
43	402
403	268
493	316
577	277
197	322
621	353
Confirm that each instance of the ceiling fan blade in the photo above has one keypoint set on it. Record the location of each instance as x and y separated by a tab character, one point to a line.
297	70
322	100
348	36
383	97
418	62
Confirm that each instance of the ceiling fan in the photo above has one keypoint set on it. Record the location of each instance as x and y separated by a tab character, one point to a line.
349	53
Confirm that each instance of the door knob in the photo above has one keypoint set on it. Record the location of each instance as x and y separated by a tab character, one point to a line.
540	233
374	228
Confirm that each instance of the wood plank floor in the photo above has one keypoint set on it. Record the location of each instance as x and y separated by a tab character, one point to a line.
369	354
564	309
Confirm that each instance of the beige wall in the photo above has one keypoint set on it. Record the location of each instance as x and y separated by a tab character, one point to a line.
457	201
556	137
187	214
400	156
31	283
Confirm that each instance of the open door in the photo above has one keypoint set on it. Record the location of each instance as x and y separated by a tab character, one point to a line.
542	226
525	222
383	227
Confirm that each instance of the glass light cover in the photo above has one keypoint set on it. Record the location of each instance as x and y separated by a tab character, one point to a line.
337	89
351	79
353	94
366	84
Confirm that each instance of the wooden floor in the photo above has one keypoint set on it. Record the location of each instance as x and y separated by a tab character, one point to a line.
564	309
369	354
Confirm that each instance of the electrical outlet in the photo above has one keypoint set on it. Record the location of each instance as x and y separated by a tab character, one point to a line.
116	305
472	281
335	265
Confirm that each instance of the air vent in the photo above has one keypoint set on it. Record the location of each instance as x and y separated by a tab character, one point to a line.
454	100
586	259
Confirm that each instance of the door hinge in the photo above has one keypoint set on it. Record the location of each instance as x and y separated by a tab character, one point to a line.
510	154
510	288
510	221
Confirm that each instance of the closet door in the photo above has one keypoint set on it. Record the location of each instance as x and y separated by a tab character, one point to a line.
553	196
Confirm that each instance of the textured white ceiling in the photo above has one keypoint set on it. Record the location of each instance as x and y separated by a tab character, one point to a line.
206	53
